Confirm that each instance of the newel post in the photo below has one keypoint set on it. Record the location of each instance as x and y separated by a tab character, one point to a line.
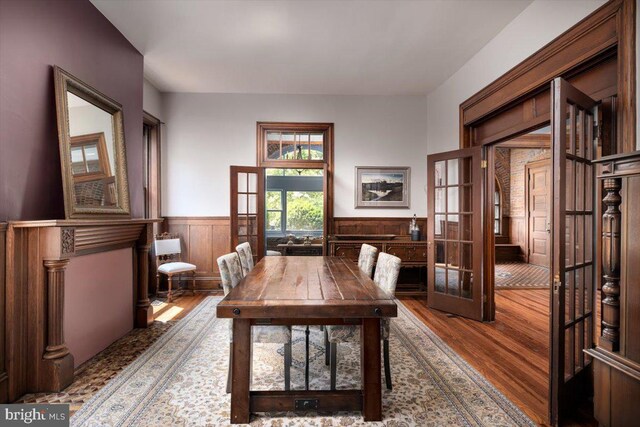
57	358
610	337
144	311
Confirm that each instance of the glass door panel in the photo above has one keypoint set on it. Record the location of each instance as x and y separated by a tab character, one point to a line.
247	208
573	244
455	187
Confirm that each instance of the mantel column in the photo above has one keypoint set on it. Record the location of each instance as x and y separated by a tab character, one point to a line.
610	338
144	311
58	361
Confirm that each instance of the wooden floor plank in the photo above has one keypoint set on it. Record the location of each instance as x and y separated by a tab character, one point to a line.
512	352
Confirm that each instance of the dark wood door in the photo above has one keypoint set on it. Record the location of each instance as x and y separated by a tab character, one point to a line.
573	246
247	208
538	216
454	231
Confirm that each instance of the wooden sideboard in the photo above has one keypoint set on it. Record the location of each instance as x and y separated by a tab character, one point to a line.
413	277
37	357
616	357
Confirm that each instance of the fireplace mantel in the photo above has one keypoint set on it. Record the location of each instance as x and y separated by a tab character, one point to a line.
38	253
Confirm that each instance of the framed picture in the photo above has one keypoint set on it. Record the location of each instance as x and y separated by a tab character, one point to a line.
382	187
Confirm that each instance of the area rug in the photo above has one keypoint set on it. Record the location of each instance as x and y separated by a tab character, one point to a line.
520	275
180	381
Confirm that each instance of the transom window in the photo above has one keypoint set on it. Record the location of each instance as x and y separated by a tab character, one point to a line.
294	145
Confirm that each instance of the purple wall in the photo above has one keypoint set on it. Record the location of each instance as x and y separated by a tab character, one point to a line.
73	34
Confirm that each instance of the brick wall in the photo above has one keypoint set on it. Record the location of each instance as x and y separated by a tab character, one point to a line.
503	173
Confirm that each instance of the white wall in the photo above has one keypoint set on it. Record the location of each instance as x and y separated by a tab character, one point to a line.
536	26
151	99
206	133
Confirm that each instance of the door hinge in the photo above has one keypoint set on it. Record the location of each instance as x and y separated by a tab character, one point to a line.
484	298
483	164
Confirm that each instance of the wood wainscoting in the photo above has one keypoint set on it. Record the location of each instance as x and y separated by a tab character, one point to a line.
373	225
204	239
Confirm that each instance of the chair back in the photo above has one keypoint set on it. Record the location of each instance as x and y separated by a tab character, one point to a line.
230	271
367	258
246	257
387	270
167	247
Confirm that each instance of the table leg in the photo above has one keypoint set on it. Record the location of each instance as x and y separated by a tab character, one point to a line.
370	365
306	367
241	371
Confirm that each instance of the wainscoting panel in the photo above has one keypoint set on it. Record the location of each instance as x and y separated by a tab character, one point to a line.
204	239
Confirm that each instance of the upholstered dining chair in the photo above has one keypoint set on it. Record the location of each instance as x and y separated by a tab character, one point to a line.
168	262
367	258
246	257
231	274
274	253
386	277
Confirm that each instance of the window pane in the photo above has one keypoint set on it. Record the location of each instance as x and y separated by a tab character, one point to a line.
77	161
274	220
274	200
273	145
305	211
439	174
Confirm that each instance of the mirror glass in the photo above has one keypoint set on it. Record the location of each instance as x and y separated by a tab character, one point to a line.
92	150
92	154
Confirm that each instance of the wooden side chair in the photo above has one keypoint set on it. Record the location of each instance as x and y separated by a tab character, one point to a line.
231	274
246	257
386	278
169	262
367	258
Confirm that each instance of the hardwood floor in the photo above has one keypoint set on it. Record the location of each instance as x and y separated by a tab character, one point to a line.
512	352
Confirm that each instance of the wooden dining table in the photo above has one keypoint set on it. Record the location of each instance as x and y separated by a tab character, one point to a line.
306	290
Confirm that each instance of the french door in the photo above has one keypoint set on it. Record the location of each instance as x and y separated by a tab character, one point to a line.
247	208
454	231
573	246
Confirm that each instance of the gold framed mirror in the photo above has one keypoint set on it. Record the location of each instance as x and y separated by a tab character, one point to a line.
92	150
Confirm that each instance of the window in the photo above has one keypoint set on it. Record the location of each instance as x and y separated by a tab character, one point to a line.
497	210
296	145
295	202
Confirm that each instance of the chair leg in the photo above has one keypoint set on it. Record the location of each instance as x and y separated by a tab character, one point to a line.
157	284
193	283
387	365
326	347
287	366
334	360
230	364
169	280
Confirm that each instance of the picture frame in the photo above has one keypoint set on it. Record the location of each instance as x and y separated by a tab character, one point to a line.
382	187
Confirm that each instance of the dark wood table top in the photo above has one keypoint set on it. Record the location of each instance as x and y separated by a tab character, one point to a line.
310	287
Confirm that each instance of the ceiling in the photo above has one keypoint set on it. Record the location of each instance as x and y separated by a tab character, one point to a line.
308	46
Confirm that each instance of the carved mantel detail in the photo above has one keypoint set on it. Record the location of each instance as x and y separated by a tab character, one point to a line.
68	240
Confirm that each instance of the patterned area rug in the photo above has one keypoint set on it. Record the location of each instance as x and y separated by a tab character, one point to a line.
520	275
180	380
92	375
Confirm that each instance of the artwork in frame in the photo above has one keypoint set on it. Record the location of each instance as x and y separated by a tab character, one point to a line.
382	187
